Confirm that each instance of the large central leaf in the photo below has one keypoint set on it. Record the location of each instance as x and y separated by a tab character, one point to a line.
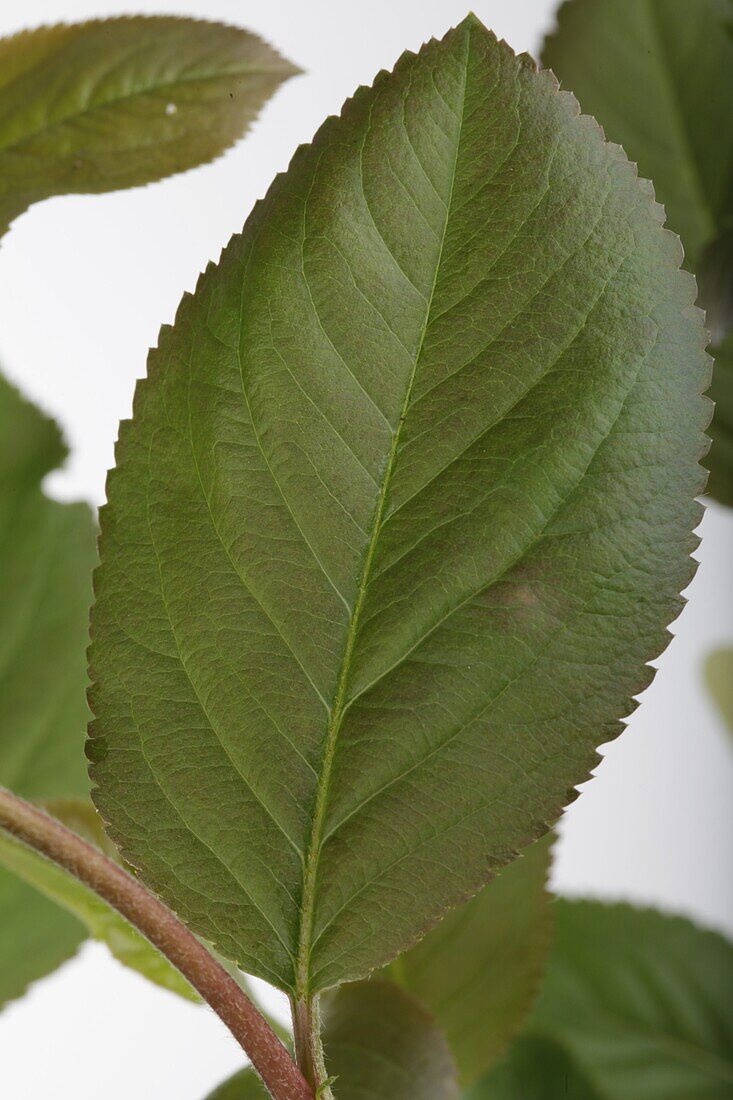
402	512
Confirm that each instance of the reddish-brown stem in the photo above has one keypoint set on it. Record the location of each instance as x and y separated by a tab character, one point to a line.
165	931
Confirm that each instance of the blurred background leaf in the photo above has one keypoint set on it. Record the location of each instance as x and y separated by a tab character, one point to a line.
479	970
658	76
719	677
634	1004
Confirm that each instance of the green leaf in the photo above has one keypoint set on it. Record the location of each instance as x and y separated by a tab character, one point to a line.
659	78
35	936
480	969
402	513
100	921
720	461
715	280
47	552
537	1069
380	1043
634	1004
719	677
244	1085
114	103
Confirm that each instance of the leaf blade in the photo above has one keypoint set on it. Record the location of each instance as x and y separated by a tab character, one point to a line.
258	454
46	555
97	106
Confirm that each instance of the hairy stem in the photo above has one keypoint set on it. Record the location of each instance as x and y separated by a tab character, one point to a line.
308	1046
163	929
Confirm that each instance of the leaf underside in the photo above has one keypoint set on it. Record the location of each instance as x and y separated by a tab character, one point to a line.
402	513
115	103
635	1003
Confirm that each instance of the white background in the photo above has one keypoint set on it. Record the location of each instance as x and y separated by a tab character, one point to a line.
84	285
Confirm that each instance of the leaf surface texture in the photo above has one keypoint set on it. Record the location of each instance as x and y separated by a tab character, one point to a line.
403	511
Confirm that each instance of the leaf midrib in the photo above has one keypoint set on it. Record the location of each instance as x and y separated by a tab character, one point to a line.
283	70
305	937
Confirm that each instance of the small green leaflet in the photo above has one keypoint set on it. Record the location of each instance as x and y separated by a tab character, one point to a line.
403	511
479	971
634	1004
658	75
114	103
